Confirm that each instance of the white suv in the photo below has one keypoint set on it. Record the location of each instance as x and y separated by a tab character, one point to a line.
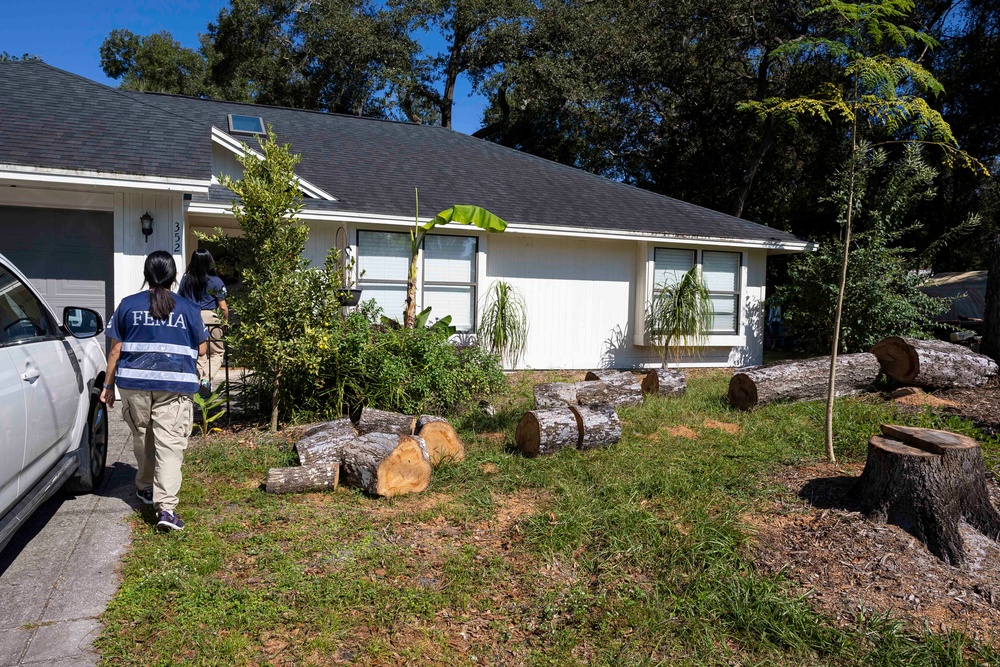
53	428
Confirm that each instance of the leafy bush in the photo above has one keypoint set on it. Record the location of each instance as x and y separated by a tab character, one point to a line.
356	361
881	296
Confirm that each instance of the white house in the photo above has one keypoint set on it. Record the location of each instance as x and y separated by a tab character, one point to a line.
82	164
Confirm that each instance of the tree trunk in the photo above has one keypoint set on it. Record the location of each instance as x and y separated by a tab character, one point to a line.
303	479
335	427
926	482
804	380
385	464
443	443
664	382
933	363
599	426
275	396
991	312
555	394
623	387
547	431
380	421
323	447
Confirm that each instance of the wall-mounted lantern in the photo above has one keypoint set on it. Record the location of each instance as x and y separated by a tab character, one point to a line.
147	225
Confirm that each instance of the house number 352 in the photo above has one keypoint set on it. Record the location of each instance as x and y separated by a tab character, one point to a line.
177	237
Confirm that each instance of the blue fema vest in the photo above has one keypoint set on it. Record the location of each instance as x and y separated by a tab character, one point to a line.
157	355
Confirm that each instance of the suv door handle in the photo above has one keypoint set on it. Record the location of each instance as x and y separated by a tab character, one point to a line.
30	375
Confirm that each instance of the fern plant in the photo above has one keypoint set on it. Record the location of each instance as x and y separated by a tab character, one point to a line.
504	327
680	315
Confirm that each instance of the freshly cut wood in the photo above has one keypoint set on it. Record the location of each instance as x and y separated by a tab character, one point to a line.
443	443
927	482
554	394
933	363
547	431
380	421
337	426
322	447
664	382
599	425
623	387
303	479
386	464
805	380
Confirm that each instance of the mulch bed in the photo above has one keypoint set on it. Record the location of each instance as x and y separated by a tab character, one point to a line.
846	565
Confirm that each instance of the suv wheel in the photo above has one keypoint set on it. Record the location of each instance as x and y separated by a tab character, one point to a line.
93	467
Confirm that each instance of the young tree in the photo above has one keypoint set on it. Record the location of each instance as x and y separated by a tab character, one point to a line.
876	92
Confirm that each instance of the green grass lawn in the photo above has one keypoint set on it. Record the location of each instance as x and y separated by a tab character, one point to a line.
634	555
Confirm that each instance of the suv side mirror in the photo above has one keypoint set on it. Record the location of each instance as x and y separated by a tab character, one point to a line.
82	322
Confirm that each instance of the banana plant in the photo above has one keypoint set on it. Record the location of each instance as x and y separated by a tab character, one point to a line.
461	214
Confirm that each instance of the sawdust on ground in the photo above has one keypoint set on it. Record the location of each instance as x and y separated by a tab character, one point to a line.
728	427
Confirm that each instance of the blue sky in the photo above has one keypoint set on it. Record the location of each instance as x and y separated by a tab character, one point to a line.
67	34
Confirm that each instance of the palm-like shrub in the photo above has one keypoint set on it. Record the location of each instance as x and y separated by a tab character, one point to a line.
680	315
504	329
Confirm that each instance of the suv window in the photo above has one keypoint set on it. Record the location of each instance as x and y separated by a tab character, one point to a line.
22	316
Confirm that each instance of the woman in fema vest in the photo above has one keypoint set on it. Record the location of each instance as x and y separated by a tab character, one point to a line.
156	339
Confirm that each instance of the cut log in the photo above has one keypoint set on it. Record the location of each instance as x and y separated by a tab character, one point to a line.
380	421
933	363
547	431
664	382
386	464
599	426
303	479
337	426
926	482
806	380
322	447
594	392
443	443
554	394
623	387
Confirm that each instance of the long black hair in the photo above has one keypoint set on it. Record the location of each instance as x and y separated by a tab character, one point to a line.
199	269
160	272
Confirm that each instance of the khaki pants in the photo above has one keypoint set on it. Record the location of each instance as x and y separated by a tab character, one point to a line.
211	362
161	422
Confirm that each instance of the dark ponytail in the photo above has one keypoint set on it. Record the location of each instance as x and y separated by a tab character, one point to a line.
196	277
160	272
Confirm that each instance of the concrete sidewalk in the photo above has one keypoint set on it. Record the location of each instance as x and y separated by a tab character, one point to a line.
60	570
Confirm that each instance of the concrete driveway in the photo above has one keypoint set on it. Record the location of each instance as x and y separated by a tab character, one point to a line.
60	570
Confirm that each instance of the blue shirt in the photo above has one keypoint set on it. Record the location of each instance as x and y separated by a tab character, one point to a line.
215	291
157	355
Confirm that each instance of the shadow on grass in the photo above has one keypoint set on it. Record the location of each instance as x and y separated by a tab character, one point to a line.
831	493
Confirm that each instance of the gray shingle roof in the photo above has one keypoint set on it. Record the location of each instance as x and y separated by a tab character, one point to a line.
52	118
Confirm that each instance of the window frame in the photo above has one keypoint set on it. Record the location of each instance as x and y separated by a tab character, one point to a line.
474	285
716	337
421	271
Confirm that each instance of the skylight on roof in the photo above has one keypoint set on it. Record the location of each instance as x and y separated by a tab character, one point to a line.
246	124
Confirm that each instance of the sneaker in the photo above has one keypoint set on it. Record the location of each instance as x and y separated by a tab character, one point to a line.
145	495
169	521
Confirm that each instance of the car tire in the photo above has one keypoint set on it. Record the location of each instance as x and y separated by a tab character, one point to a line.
95	458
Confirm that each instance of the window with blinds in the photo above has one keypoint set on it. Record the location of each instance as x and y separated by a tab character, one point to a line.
670	266
449	274
721	271
450	279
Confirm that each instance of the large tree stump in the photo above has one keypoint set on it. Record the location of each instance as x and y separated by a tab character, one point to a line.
664	382
303	479
806	380
386	464
926	482
933	363
599	425
547	431
337	426
623	388
554	394
443	443
380	421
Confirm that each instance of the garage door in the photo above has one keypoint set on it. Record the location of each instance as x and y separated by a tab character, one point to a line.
67	255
